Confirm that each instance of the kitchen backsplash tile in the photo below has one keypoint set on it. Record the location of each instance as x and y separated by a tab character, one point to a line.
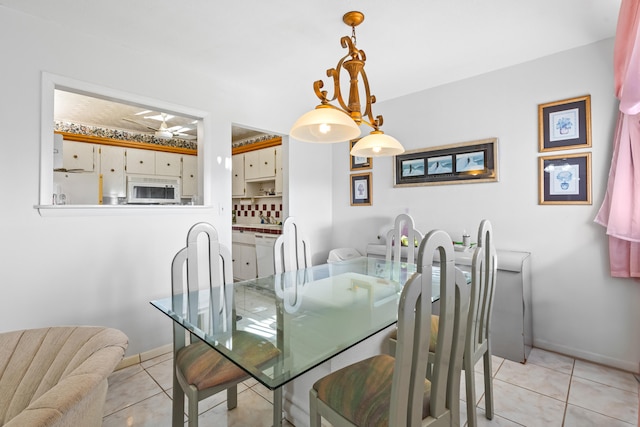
250	213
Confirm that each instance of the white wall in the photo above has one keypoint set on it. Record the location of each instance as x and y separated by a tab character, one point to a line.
578	309
80	269
105	269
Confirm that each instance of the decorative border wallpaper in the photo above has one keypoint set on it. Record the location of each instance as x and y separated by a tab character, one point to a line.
122	135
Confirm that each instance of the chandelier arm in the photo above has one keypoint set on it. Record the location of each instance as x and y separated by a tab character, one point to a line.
322	94
337	93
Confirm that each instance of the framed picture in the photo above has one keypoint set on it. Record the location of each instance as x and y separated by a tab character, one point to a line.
564	125
565	180
359	162
475	161
360	189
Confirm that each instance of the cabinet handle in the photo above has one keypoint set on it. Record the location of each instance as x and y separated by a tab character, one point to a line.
250	165
247	263
141	162
266	163
113	170
191	176
75	156
168	164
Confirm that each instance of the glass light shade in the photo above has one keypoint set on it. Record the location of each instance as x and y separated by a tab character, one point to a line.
324	124
377	144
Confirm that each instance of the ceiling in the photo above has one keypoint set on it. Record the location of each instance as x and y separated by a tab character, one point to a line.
277	48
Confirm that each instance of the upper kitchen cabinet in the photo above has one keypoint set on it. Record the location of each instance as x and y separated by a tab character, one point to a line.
189	176
140	161
168	164
237	176
260	164
278	184
112	171
78	156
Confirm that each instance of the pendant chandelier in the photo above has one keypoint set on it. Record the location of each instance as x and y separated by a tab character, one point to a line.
328	123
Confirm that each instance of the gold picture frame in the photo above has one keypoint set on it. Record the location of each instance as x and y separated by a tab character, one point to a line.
565	124
564	179
360	184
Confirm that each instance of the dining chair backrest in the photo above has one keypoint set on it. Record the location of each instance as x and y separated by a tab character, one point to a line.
414	329
291	250
484	290
204	263
403	227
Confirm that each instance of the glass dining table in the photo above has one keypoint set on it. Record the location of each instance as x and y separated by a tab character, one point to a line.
309	315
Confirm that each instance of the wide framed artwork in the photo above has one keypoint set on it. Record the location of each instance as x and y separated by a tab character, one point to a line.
565	124
474	161
564	180
357	162
360	184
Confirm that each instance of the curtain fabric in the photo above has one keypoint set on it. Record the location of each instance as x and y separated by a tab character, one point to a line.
620	210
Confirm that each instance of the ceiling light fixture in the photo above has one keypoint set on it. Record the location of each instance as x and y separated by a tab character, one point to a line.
329	124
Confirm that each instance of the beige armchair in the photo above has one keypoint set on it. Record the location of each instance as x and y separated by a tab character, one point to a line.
57	376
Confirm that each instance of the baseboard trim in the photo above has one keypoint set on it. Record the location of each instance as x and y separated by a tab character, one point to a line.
141	357
587	356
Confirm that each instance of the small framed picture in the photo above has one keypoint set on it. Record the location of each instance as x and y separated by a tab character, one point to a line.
565	180
360	189
357	162
564	125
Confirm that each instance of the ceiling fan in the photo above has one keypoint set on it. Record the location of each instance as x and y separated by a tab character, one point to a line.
163	131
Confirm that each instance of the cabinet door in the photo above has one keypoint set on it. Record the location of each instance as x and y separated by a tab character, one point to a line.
252	165
112	171
278	184
244	261
168	164
78	155
140	161
189	176
237	175
267	162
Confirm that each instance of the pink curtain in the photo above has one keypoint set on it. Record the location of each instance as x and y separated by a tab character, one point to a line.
620	210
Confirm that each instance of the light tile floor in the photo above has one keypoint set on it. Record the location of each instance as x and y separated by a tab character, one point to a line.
549	390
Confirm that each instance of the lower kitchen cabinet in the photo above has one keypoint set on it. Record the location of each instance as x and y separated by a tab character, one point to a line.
243	255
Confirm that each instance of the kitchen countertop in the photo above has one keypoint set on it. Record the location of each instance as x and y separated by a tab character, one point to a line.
259	228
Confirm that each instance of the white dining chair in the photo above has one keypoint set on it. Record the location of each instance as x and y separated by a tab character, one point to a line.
291	250
392	391
404	227
198	370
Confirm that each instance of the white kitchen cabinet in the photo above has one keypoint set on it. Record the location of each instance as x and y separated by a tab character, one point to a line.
260	164
243	254
168	164
237	176
189	175
278	162
140	161
78	156
112	171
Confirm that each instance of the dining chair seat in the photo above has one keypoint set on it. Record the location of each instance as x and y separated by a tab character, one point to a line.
203	367
362	392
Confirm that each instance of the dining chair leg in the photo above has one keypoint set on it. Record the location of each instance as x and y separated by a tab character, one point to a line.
192	395
488	386
177	410
470	384
232	397
277	407
313	409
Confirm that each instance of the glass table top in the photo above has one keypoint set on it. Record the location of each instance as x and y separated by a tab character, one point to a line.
309	315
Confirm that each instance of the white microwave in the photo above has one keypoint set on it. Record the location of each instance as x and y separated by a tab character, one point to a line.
153	190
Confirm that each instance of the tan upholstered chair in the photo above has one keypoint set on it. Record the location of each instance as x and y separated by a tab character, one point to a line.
198	370
57	377
291	250
385	390
403	226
